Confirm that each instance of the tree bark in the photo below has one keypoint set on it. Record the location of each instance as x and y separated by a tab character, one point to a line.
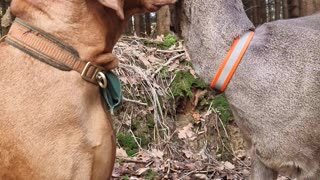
142	26
294	9
270	11
285	9
317	5
277	9
306	7
247	4
263	11
255	13
129	28
178	18
139	26
148	23
163	21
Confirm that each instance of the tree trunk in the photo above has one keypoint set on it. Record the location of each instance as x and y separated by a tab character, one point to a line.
139	26
317	5
294	9
285	9
129	28
256	19
147	17
306	7
178	18
247	4
142	26
163	21
270	11
263	11
277	9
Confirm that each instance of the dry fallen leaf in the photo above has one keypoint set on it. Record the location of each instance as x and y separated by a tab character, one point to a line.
201	176
186	132
198	94
191	166
228	165
121	153
196	117
145	60
157	153
141	171
187	153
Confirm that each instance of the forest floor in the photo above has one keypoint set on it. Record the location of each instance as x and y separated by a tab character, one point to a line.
171	126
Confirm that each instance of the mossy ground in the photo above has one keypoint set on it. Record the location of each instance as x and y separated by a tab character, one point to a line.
155	125
168	41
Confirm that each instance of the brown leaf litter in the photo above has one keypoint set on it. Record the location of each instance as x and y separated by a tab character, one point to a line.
193	144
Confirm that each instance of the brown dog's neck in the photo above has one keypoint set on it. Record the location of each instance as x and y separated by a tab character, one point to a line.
87	27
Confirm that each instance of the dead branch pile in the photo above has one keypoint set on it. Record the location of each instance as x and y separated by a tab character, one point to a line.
184	144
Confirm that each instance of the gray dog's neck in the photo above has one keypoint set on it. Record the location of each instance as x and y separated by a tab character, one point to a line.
215	31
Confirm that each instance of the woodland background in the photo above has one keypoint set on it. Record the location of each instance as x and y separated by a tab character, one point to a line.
171	126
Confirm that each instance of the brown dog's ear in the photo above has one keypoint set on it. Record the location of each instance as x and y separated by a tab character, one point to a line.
116	5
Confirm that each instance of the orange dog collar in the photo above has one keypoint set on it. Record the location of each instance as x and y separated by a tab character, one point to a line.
231	62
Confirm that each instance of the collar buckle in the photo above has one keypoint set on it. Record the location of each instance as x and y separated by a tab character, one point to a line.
94	74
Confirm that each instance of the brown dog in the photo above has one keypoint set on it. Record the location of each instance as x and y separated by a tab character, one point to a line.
53	124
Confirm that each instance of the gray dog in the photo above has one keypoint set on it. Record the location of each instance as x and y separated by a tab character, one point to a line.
275	91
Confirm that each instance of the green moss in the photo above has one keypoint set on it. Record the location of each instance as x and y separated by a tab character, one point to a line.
163	73
151	124
135	124
128	143
144	140
187	63
125	177
183	83
169	40
222	106
150	175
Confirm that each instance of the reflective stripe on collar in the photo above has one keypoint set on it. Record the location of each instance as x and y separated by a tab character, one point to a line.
231	62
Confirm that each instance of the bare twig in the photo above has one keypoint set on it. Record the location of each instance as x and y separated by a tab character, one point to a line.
134	160
167	63
134	101
170	51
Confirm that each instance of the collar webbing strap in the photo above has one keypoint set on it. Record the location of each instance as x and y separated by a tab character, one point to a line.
231	62
47	49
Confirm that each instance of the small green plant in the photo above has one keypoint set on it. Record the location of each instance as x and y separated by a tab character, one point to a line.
223	108
151	123
169	41
125	177
183	83
128	143
150	175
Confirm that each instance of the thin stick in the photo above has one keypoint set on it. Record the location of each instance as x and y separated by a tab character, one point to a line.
134	101
166	64
135	139
133	160
170	51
